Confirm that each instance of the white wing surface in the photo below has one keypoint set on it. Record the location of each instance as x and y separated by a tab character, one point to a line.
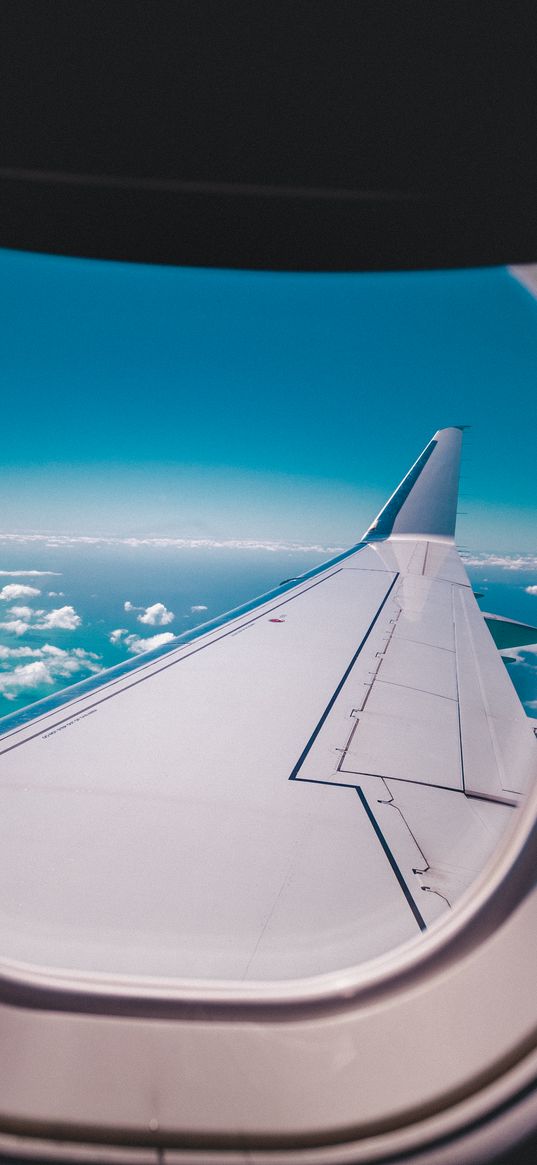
307	782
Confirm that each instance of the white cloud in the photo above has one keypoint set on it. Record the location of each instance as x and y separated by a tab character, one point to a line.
196	610
48	665
506	561
117	635
531	704
56	594
63	618
15	627
26	675
156	616
28	573
7	653
18	591
531	590
66	662
137	644
179	543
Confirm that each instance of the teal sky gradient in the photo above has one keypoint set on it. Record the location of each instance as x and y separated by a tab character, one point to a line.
197	403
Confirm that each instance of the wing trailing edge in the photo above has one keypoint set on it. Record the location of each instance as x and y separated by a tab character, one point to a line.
424	505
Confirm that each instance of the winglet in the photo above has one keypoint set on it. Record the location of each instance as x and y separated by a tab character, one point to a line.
425	503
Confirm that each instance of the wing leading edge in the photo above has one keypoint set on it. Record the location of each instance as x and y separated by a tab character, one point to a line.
307	783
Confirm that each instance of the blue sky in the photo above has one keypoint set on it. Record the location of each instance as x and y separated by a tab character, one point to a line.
194	403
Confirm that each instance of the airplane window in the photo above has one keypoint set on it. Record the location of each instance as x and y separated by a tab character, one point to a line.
276	787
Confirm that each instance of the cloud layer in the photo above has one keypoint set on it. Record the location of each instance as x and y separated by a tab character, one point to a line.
48	665
156	616
21	612
15	626
506	561
137	644
62	618
178	543
27	618
18	591
117	635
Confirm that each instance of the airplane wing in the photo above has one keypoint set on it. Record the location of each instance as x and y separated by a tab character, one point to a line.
294	789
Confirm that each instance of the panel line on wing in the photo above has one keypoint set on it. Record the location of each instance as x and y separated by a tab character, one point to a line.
401	780
457	685
342	681
393	863
414	688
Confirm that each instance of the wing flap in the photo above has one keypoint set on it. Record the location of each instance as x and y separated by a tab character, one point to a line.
457	835
498	745
407	735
